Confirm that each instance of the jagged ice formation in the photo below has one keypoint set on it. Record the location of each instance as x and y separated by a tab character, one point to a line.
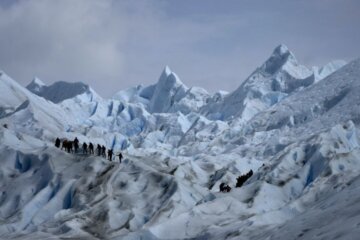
296	127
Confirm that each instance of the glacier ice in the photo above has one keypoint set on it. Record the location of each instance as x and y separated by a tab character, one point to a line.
297	128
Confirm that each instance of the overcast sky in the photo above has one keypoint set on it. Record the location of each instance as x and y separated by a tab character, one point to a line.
113	45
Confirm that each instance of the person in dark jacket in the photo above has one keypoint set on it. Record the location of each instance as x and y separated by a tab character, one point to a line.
91	148
103	151
110	153
242	179
120	157
76	144
85	146
98	148
57	142
224	187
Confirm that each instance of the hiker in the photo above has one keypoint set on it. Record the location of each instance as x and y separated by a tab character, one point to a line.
85	148
76	144
120	157
69	146
64	145
91	148
221	187
242	179
98	148
110	153
57	142
224	187
103	151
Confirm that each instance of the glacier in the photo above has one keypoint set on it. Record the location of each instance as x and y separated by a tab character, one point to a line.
296	127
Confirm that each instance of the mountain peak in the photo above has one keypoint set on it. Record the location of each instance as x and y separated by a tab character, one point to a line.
58	91
282	49
167	70
169	78
36	85
280	56
168	89
37	81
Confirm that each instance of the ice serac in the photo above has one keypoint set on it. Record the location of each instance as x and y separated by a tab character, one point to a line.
59	91
279	76
323	72
12	94
169	89
193	100
137	94
319	107
27	112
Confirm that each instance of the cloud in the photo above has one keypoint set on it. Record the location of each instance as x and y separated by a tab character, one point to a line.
61	40
112	45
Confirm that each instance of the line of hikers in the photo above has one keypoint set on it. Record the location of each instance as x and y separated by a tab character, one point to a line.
239	182
73	147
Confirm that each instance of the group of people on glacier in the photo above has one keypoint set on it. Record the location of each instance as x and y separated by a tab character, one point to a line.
74	147
239	182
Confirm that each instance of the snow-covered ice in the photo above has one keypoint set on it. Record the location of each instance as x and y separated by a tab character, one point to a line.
296	127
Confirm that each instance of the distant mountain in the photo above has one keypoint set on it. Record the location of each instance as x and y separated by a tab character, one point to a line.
36	86
59	91
278	77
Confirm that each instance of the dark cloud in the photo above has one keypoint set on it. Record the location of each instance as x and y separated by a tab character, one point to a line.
112	45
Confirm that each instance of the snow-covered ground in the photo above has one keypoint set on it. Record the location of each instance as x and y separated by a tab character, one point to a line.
296	127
